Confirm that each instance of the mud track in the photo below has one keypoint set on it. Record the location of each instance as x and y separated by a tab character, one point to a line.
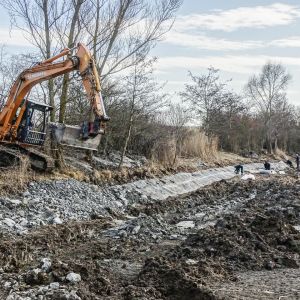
230	240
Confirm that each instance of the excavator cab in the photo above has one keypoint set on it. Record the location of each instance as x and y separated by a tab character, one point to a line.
33	126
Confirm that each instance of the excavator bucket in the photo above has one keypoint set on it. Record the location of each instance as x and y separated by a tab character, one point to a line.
71	136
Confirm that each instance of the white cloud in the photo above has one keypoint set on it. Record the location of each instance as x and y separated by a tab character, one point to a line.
201	41
242	17
242	64
209	43
289	42
13	37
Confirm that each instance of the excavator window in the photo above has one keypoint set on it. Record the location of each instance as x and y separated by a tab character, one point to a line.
32	129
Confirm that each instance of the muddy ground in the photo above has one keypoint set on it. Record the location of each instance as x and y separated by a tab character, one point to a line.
232	240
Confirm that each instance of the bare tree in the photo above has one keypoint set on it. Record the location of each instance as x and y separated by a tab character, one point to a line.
122	32
4	80
225	119
142	97
37	19
177	117
268	93
10	67
204	95
71	37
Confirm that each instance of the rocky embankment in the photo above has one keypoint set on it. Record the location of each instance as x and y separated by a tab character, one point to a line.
189	247
55	202
184	236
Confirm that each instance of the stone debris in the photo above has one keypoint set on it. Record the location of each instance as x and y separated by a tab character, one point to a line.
109	162
57	220
248	177
186	224
157	248
46	264
55	202
268	172
297	227
73	277
54	285
9	222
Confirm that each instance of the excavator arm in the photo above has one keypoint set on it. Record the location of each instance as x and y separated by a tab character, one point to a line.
81	61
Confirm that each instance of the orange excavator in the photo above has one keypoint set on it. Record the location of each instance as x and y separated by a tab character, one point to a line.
24	123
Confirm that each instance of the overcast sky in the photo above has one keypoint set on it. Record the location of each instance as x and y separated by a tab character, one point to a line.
237	37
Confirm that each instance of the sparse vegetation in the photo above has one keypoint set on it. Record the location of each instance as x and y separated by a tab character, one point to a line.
14	180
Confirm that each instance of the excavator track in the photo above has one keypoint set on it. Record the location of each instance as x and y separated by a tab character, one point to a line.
12	155
9	157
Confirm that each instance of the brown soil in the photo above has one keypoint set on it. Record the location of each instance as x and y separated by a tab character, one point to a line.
259	235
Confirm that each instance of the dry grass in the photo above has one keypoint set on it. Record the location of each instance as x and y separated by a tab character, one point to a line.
197	144
15	179
279	154
194	144
69	173
164	152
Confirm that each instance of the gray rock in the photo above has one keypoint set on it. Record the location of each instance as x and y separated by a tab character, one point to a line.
46	264
25	201
14	296
15	202
54	285
26	194
7	285
56	220
186	224
73	277
9	222
23	222
136	229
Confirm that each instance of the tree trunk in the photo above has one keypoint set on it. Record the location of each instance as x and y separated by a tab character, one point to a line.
276	145
124	5
65	84
270	146
126	140
51	99
48	55
63	99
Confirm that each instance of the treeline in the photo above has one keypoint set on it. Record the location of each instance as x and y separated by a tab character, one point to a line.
259	119
144	120
210	116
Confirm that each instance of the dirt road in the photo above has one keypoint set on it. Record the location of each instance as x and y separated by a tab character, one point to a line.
231	240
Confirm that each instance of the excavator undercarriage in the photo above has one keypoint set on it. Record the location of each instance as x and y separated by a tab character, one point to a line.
15	155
